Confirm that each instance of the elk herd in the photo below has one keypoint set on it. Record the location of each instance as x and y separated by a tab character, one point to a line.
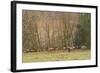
65	49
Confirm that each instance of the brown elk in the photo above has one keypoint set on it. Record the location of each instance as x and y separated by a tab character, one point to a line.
50	49
29	50
68	48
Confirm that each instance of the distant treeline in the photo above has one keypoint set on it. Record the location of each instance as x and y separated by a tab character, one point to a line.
42	30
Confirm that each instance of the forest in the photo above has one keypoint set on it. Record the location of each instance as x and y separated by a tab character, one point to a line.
55	31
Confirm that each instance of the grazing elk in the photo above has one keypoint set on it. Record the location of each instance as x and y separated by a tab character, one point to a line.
83	47
50	49
30	50
68	48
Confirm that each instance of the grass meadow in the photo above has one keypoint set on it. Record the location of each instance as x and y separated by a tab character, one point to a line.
56	56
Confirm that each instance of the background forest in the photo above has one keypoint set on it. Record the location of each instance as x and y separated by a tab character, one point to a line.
47	29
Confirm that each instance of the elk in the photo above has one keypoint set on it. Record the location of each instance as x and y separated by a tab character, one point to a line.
29	50
68	48
83	47
50	49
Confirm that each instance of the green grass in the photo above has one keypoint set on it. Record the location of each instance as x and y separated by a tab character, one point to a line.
56	56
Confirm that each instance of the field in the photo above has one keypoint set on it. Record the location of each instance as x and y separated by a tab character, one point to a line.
56	56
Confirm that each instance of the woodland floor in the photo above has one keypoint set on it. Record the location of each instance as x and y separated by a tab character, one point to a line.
56	56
